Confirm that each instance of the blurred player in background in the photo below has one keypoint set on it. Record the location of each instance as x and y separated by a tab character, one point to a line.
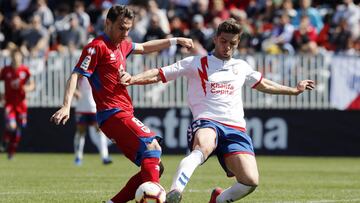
215	98
17	84
85	111
101	61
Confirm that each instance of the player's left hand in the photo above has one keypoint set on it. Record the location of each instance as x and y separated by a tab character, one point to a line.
61	116
185	42
305	85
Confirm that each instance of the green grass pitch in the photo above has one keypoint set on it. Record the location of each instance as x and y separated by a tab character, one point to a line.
54	178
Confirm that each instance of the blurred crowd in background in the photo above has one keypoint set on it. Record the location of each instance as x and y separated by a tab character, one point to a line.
269	26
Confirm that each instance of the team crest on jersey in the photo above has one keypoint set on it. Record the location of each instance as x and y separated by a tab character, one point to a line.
235	70
22	75
91	51
112	57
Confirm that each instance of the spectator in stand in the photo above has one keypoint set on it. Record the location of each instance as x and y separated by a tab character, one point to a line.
217	9
281	36
350	12
4	31
83	17
247	31
202	7
153	8
182	9
16	33
267	12
341	37
42	10
304	38
239	4
323	39
62	16
36	38
140	24
312	13
73	38
211	30
154	31
197	30
163	4
176	28
287	7
100	22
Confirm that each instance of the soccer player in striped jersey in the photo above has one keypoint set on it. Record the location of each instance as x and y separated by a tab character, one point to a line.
215	85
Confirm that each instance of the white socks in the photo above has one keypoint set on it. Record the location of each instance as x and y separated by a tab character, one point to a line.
100	141
186	168
79	142
235	192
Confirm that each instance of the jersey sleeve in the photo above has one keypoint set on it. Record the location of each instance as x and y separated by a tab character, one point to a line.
88	60
173	71
252	77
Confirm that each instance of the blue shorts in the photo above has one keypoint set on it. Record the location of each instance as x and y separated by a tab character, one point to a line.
85	118
228	140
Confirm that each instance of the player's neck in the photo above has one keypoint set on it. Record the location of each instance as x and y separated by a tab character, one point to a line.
108	37
218	56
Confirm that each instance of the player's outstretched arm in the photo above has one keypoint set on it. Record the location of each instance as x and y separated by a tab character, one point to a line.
271	87
147	77
160	44
63	114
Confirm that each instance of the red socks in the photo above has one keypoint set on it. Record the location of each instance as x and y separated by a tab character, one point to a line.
149	172
150	169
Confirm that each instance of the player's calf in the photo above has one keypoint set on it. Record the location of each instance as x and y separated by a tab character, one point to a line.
235	192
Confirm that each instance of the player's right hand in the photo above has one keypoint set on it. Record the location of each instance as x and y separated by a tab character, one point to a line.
61	116
125	78
185	42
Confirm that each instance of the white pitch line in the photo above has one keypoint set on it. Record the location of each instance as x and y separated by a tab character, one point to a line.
50	192
309	201
339	200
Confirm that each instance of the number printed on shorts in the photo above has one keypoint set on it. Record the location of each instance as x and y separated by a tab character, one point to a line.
141	125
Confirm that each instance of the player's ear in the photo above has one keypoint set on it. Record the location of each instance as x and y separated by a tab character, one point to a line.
108	23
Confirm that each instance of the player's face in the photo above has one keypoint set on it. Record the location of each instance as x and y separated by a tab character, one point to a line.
225	45
16	59
119	30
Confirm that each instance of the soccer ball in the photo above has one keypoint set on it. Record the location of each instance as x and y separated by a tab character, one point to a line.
150	192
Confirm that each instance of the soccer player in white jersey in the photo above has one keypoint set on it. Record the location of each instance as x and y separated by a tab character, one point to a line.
85	111
215	98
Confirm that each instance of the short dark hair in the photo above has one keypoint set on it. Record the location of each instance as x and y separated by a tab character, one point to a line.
118	10
229	26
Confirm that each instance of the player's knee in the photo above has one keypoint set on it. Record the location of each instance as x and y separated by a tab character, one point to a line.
11	127
251	179
81	129
206	151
